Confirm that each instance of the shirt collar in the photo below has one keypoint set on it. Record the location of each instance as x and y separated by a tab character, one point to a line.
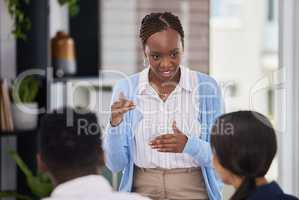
186	82
143	80
91	184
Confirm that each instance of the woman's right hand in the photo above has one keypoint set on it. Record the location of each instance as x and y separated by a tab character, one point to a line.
119	108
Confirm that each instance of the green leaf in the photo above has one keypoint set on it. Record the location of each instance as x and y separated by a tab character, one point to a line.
22	23
27	91
24	168
62	2
40	185
20	26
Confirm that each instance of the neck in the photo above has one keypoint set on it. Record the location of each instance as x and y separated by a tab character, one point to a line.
258	181
164	83
261	181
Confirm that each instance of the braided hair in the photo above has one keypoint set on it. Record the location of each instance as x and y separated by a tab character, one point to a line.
157	22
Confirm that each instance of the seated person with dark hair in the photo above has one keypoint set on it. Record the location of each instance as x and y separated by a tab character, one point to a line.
244	145
71	151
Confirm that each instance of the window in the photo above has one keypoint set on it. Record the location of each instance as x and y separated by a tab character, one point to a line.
229	9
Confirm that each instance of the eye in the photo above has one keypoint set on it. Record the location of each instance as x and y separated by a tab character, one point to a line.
156	57
174	54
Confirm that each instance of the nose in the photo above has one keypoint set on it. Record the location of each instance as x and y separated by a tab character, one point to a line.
165	63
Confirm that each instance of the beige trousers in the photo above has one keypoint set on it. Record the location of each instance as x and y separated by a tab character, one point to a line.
172	184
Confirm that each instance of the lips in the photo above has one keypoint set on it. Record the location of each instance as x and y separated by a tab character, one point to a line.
166	73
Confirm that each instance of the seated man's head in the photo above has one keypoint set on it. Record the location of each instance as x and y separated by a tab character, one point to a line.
244	145
69	145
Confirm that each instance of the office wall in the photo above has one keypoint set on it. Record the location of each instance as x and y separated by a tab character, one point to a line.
236	50
58	18
288	104
121	47
118	35
194	15
7	44
7	71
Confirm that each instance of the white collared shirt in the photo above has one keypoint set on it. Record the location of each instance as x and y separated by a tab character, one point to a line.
91	187
158	117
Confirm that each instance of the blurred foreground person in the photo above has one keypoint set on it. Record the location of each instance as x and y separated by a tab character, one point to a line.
71	151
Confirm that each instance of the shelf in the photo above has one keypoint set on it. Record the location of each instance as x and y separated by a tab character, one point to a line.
101	81
17	133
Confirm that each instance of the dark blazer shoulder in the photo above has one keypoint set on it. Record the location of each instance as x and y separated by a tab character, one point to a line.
271	191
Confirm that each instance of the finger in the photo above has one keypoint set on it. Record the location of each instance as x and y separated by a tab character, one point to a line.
174	127
116	104
160	139
123	110
174	124
123	101
127	103
165	136
131	103
126	109
116	107
162	146
164	141
121	96
169	150
122	104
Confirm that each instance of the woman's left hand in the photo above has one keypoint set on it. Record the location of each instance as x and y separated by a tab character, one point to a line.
172	142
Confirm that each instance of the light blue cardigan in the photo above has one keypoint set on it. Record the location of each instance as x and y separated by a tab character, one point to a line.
118	141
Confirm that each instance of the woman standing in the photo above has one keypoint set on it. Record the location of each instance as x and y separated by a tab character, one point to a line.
158	134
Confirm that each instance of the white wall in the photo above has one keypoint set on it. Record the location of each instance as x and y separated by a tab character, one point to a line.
235	49
7	44
59	18
7	71
119	33
289	104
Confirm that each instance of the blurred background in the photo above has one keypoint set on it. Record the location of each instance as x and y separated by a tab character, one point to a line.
81	49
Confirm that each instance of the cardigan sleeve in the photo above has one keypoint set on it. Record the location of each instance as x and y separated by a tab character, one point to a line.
211	106
200	150
115	138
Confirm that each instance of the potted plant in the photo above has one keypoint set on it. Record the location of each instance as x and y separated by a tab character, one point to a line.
22	23
40	184
25	107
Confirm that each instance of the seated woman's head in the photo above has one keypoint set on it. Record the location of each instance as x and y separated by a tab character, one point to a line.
244	145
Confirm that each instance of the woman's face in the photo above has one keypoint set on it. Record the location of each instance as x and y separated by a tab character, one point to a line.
164	51
226	176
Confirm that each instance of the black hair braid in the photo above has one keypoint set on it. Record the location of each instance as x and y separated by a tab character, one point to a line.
157	22
246	188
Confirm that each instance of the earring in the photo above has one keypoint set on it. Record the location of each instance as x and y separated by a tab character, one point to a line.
145	62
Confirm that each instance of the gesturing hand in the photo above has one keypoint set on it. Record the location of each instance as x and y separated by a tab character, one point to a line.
119	108
172	142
